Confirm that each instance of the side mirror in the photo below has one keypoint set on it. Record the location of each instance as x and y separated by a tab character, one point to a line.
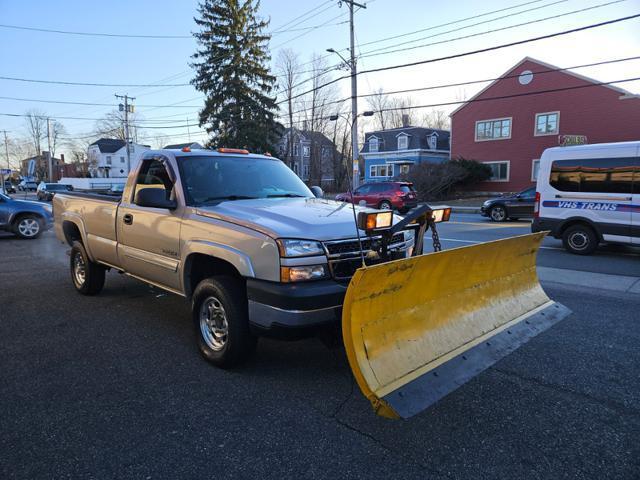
154	198
317	192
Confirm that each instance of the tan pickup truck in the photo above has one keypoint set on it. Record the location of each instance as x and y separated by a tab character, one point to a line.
238	234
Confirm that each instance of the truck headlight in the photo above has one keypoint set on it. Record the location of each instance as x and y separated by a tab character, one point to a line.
302	273
299	248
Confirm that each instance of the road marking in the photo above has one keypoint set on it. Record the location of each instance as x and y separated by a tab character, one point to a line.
493	225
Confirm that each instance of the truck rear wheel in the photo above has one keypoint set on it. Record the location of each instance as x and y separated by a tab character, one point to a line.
221	320
87	276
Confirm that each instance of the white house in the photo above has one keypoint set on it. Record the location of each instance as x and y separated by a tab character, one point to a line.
107	157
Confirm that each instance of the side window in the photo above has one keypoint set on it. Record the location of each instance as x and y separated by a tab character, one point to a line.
363	190
528	193
636	176
595	175
153	174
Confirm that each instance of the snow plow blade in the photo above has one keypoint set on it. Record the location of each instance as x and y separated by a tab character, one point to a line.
418	328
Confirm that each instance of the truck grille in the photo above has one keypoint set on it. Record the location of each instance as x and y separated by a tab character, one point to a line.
344	255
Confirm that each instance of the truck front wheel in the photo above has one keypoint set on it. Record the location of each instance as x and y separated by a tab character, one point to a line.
87	276
221	320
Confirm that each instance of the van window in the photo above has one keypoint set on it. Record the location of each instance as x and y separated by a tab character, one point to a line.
600	175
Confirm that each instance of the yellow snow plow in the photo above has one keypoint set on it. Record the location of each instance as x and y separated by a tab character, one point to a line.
415	329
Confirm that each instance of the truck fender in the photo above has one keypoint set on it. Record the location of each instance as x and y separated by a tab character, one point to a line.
79	223
239	260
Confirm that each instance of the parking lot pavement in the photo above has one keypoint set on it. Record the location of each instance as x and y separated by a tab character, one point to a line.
112	386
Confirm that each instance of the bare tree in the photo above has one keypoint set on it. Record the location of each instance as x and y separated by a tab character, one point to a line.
288	71
401	112
56	133
36	124
318	106
112	126
436	119
379	102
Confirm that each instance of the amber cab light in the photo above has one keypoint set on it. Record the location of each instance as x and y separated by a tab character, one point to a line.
241	151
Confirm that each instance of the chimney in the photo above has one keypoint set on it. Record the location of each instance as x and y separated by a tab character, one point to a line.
405	120
62	158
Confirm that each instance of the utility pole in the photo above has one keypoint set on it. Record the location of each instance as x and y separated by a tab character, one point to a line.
49	159
6	148
354	94
127	109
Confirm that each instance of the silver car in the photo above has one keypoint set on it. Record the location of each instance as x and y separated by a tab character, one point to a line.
24	218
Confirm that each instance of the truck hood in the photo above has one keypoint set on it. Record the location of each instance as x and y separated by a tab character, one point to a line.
308	218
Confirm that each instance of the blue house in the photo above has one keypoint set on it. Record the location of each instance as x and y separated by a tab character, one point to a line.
390	153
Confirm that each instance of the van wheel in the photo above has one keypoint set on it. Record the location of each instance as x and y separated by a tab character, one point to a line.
87	276
221	320
580	239
498	213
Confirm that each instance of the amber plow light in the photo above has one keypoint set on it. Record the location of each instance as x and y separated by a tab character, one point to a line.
371	221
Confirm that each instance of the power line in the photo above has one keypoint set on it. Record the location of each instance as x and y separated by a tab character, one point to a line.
472	52
89	84
376	52
299	17
35	100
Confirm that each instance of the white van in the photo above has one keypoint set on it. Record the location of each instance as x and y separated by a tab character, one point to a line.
589	194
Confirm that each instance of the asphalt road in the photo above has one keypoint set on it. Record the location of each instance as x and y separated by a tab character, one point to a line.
112	387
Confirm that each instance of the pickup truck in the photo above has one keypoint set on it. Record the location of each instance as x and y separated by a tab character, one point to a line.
237	234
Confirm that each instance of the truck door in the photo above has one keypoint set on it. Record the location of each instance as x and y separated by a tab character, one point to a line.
149	238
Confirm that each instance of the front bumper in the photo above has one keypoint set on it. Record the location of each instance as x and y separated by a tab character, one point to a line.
484	211
294	306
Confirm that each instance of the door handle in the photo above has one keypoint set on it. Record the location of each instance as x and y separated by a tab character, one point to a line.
127	219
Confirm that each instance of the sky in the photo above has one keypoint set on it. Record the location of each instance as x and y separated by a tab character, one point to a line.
94	59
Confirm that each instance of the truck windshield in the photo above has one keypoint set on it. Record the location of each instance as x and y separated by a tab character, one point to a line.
210	179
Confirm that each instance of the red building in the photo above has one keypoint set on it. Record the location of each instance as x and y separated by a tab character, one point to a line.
510	134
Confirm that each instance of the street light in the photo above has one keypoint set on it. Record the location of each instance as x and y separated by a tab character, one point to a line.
346	63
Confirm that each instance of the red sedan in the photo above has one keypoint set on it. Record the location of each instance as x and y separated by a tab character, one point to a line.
384	195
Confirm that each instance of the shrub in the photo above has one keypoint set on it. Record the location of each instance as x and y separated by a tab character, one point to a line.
476	171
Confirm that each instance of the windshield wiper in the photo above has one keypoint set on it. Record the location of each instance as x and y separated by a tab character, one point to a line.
229	197
282	195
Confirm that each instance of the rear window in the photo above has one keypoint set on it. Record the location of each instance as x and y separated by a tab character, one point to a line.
405	188
597	175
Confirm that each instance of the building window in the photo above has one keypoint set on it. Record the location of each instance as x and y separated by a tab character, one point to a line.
121	159
306	151
499	171
497	129
547	123
381	171
433	142
535	167
108	159
404	169
373	144
325	152
306	170
295	169
296	150
403	142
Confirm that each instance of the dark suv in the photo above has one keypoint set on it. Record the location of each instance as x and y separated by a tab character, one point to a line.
384	195
511	206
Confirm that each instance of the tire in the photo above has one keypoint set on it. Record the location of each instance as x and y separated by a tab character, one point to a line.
87	276
498	213
385	205
221	321
28	227
580	239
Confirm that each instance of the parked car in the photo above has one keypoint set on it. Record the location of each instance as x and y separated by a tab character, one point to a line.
8	187
27	186
510	206
590	194
384	195
46	191
24	218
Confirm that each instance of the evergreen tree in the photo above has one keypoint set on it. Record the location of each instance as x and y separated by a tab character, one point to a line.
231	70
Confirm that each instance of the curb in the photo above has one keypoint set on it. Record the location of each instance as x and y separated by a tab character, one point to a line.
455	209
596	281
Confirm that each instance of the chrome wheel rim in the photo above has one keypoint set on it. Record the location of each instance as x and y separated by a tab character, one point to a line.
28	227
213	324
385	206
578	240
79	269
497	214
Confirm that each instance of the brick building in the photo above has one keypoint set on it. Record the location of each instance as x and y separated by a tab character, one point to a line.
510	134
